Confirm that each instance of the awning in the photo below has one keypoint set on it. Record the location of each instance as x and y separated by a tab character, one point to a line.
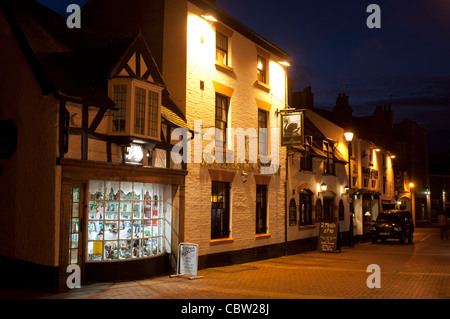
318	152
309	149
339	157
299	148
174	118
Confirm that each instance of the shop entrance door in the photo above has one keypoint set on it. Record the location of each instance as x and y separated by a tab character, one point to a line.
72	224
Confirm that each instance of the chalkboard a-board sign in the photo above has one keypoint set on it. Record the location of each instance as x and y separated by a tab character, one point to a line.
329	240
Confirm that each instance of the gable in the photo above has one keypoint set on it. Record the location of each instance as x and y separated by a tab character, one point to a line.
137	62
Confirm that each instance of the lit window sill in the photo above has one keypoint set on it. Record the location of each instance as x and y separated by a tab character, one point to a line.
262	236
263	85
221	241
265	159
223	67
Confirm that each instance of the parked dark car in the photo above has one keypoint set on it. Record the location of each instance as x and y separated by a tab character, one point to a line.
397	224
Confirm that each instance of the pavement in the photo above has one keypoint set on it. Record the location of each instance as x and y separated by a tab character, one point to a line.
407	271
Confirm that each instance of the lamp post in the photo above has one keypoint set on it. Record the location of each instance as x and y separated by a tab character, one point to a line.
349	139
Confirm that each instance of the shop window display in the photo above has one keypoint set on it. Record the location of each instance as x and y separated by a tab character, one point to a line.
126	220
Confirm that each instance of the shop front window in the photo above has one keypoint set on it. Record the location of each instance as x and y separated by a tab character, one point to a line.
127	220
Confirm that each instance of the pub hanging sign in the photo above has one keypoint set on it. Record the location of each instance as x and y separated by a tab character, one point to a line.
292	127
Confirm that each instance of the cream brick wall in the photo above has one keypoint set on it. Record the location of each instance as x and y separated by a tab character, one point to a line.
200	105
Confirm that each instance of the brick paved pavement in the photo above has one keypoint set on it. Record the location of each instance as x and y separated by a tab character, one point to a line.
409	271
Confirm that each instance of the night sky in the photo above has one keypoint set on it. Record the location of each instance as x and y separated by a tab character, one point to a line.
407	61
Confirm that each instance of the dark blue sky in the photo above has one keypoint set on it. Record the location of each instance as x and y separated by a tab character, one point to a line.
408	58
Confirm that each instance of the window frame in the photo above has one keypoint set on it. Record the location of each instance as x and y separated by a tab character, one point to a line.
220	228
329	164
261	210
263	148
305	212
220	121
121	99
261	74
225	51
306	159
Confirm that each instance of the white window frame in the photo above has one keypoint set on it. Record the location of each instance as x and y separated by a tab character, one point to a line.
131	85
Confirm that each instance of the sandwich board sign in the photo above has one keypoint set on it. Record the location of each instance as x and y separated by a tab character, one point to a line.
329	240
187	261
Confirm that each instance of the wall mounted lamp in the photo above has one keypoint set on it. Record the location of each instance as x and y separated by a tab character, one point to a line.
284	62
346	191
209	17
323	187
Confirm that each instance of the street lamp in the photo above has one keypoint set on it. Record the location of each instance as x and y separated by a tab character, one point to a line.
349	138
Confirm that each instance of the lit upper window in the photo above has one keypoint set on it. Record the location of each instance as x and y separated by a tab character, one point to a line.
139	110
221	48
261	69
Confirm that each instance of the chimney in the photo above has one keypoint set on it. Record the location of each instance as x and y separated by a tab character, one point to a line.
343	113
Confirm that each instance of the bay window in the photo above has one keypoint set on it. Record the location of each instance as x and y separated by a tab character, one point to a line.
139	108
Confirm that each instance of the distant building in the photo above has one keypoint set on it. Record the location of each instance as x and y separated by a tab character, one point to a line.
439	191
372	157
411	166
316	182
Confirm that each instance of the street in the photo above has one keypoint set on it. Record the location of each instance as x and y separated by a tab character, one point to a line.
408	271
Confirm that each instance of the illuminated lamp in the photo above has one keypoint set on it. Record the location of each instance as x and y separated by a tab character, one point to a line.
349	136
284	62
209	17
